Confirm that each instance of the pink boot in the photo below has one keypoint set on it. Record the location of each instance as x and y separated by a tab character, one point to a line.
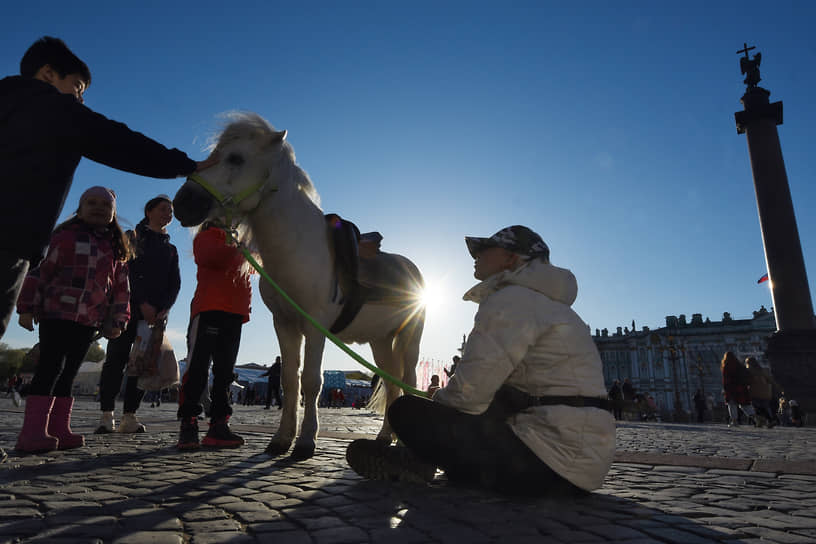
60	424
33	437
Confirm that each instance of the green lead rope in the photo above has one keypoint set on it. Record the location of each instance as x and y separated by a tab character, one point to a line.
378	371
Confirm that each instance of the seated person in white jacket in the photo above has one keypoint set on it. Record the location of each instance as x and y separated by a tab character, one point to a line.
526	411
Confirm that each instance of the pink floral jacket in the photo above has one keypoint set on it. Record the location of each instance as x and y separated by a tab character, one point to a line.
78	280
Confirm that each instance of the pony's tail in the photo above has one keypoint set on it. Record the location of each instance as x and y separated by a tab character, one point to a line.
406	349
378	398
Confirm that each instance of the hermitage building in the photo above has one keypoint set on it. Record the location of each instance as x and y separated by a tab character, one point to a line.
672	362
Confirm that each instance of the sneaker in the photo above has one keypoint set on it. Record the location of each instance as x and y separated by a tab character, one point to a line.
188	434
106	424
131	424
16	398
220	436
376	460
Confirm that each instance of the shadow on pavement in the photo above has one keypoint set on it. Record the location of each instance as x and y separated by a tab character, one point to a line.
157	494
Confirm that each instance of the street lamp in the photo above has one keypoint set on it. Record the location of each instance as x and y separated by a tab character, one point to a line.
698	366
679	414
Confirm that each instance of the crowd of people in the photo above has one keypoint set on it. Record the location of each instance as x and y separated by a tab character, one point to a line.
625	396
750	395
749	390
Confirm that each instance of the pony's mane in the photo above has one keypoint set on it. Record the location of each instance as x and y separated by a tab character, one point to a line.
247	125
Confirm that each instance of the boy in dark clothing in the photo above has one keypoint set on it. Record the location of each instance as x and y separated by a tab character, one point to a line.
44	132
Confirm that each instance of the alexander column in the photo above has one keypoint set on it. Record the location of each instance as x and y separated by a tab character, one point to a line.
792	348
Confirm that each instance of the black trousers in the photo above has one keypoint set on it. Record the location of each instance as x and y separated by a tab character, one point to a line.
212	336
617	409
13	270
273	389
63	346
113	369
473	449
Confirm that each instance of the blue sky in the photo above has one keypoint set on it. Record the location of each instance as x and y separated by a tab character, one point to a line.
608	128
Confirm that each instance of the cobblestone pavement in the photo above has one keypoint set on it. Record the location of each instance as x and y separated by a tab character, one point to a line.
670	483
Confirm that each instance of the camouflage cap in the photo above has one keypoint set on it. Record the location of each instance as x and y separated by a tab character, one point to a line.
517	239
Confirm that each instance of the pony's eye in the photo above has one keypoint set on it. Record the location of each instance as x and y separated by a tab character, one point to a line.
235	159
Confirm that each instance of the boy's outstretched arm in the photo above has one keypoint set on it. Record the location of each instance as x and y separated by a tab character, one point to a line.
114	144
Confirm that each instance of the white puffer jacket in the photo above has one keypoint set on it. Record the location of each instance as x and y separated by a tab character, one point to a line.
527	336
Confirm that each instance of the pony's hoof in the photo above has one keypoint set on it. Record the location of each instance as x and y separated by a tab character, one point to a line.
302	452
275	449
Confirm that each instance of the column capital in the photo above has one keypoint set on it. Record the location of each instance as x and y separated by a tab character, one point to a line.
757	108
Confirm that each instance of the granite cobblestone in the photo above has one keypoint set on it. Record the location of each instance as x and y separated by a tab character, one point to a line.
670	483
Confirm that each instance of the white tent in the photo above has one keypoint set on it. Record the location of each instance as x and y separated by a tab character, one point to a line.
87	379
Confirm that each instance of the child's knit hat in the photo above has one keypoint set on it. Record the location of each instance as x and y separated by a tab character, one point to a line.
99	192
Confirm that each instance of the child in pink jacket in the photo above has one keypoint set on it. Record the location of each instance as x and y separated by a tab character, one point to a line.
82	281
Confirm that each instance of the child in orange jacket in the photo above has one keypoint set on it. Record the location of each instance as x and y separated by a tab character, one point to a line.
220	307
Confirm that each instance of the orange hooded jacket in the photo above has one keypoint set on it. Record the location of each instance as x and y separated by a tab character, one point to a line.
222	283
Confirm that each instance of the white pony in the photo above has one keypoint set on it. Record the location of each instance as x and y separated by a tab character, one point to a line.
258	183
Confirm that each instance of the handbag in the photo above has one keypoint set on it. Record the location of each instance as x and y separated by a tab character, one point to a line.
139	362
152	359
167	370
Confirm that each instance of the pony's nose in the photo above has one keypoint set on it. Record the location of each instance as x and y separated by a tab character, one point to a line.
192	205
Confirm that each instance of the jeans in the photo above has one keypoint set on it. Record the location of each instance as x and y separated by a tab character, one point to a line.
733	408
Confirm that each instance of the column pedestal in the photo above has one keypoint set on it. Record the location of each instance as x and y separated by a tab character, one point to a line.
792	354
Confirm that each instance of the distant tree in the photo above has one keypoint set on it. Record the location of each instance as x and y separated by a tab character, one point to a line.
31	358
11	360
95	353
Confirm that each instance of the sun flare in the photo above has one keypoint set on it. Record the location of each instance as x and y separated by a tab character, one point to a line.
432	297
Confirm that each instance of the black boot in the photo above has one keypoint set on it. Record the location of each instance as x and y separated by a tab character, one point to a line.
377	460
188	434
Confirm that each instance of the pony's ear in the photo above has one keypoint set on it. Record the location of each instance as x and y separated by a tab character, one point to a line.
278	137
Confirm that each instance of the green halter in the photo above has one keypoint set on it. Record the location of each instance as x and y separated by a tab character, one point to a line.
230	202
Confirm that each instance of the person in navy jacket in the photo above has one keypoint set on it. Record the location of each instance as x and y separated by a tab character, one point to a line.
154	285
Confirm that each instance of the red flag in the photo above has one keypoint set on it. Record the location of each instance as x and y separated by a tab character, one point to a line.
763	278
